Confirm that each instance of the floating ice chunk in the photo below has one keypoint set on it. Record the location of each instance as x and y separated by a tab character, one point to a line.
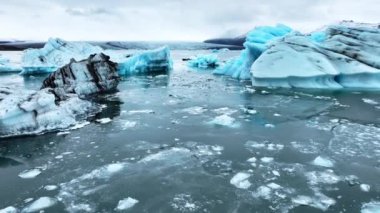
129	124
371	207
143	111
252	160
266	159
270	126
56	53
325	177
40	204
365	187
347	58
28	174
185	203
240	180
274	186
370	101
263	192
225	110
224	120
256	42
80	125
104	120
210	61
319	201
323	161
149	62
196	110
126	203
50	187
9	209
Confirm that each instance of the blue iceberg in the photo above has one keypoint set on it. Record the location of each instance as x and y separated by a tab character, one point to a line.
345	56
149	62
209	61
55	54
256	42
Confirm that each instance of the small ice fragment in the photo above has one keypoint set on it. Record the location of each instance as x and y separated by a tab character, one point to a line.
80	125
274	186
263	191
39	204
276	173
240	180
276	115
372	207
224	110
58	157
9	209
252	160
196	110
28	174
104	120
63	133
302	200
50	187
129	124
365	187
115	167
27	200
143	111
269	125
323	161
266	159
370	101
224	120
126	204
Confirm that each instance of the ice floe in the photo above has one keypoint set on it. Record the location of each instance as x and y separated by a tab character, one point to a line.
9	209
126	203
40	204
371	207
323	161
240	180
225	120
210	61
28	174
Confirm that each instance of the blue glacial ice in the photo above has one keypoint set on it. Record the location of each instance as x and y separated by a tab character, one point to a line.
55	54
256	42
155	61
346	55
209	61
7	66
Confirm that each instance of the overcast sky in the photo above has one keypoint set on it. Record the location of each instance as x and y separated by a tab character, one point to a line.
170	19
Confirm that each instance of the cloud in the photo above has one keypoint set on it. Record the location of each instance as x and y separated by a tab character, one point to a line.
170	19
88	11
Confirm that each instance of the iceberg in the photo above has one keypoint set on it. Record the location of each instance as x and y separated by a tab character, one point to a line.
7	66
55	54
155	61
93	75
256	42
345	56
59	104
209	61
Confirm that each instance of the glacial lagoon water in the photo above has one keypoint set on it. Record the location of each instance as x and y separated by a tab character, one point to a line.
194	142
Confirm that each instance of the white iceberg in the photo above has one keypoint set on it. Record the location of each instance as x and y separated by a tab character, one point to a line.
256	42
209	61
7	66
55	54
148	62
348	56
59	103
